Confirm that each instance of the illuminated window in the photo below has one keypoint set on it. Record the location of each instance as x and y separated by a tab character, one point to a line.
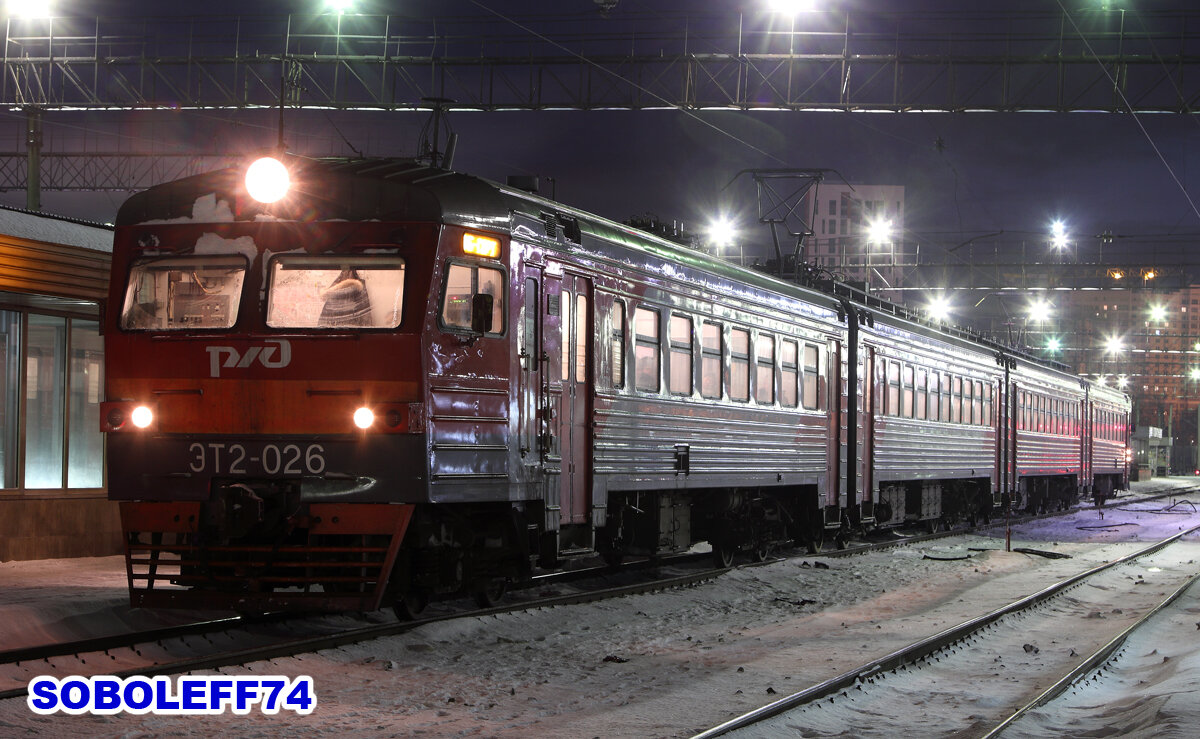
710	360
789	373
920	405
647	355
680	335
906	392
764	378
50	392
364	292
183	293
739	364
812	374
618	344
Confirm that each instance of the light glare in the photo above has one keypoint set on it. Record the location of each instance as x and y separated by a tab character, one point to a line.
28	8
1039	310
267	180
879	231
939	307
721	232
791	7
142	417
364	418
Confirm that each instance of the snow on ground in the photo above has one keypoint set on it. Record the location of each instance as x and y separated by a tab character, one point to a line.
660	665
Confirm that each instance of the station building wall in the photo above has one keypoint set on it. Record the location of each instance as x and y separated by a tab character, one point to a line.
53	279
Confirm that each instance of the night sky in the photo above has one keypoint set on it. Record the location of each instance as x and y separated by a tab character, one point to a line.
965	174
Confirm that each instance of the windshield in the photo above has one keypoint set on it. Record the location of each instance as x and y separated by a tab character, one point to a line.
335	292
183	293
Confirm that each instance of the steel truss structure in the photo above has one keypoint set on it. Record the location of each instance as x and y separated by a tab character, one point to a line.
1084	60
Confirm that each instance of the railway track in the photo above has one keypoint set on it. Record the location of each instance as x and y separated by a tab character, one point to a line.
238	640
965	658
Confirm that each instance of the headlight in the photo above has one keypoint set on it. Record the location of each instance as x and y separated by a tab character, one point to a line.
142	417
364	418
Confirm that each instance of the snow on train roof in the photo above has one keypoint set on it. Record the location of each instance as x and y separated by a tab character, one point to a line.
53	229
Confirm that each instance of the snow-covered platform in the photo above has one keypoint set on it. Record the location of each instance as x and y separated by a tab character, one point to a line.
64	599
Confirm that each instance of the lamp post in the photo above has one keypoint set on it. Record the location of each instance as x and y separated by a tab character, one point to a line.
879	233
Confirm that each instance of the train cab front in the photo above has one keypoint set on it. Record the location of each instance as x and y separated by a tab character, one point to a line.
265	431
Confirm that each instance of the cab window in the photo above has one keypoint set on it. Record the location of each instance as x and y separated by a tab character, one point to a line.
335	292
183	293
463	283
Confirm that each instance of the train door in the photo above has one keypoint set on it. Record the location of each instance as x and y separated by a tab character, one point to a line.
835	437
872	378
1089	445
530	414
574	410
1085	457
1013	438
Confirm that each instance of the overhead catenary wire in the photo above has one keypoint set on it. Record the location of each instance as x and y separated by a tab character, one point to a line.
1136	118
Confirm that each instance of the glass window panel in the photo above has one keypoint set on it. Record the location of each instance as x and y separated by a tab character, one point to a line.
680	330
710	362
956	401
739	364
183	293
789	374
85	444
10	388
647	351
45	401
893	389
618	344
906	397
565	343
812	377
920	405
935	403
581	342
463	282
947	394
355	292
764	380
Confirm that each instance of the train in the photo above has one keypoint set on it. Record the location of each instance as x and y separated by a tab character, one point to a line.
355	383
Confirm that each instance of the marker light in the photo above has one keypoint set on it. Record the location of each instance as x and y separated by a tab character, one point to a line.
364	418
142	417
267	180
481	246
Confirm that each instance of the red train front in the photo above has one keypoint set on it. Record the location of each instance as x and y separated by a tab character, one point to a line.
267	389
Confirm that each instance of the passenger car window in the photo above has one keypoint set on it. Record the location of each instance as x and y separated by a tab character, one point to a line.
647	355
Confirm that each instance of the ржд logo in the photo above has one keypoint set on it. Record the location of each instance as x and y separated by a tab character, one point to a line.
276	354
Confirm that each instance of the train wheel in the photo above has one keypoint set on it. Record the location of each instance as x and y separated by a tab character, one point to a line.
613	557
933	525
722	554
411	605
488	593
761	552
815	541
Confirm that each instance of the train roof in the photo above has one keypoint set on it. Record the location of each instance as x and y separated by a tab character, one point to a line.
365	189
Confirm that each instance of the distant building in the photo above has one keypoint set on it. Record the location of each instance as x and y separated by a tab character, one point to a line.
53	278
842	240
1146	341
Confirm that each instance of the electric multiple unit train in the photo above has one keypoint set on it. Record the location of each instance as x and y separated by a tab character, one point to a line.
385	382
